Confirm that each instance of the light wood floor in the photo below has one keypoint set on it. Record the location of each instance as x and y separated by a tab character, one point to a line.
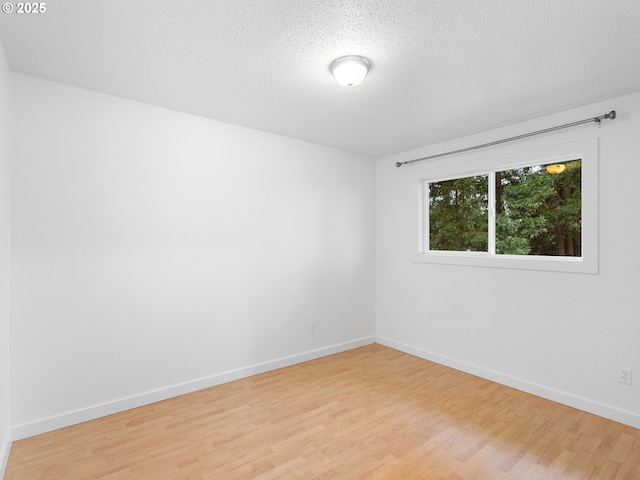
370	413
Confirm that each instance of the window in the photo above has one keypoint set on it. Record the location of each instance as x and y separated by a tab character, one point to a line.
458	214
537	211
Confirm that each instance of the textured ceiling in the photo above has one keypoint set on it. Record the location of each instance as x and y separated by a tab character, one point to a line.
441	68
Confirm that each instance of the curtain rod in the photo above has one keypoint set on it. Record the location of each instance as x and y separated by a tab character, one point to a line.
611	115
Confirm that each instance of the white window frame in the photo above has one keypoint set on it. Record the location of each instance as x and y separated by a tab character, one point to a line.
586	150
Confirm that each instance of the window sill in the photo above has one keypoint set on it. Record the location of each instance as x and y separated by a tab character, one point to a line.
472	259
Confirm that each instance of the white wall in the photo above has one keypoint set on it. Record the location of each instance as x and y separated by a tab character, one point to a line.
155	252
4	261
559	335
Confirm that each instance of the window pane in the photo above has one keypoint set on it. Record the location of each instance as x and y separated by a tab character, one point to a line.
458	214
539	210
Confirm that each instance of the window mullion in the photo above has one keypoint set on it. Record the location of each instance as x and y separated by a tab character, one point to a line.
492	213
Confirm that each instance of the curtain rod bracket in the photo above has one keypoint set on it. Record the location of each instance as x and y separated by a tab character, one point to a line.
607	116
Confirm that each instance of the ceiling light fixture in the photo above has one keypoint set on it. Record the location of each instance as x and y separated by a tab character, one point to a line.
350	71
556	168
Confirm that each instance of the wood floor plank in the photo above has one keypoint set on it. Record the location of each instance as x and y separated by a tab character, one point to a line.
369	413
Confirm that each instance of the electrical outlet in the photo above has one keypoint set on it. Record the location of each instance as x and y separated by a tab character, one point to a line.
312	327
624	375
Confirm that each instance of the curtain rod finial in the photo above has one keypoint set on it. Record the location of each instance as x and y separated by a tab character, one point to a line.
398	164
611	115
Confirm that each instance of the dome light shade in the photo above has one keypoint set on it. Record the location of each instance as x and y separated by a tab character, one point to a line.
350	71
556	168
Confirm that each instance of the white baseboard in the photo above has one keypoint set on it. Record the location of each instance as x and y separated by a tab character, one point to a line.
603	410
5	448
90	413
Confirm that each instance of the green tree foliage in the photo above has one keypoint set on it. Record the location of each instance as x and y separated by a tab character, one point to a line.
539	213
458	215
